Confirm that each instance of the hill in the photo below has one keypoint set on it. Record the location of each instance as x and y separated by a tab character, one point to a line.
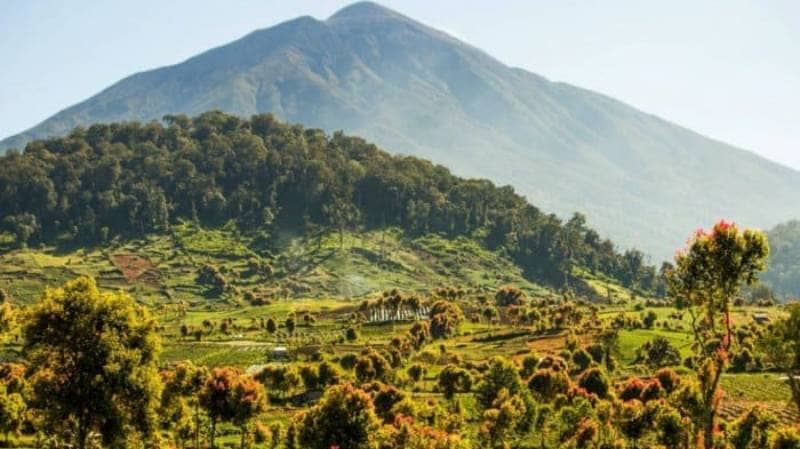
280	191
783	272
415	90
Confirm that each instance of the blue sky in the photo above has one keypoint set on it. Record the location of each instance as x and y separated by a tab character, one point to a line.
728	69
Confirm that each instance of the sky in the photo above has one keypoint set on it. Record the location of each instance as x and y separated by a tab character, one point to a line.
727	69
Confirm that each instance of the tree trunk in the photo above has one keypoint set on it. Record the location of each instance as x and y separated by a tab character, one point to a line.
708	436
82	434
213	432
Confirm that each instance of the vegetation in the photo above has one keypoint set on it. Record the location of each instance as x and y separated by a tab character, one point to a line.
128	180
783	274
220	331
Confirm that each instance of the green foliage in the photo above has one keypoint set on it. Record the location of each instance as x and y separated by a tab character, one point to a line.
502	374
132	179
12	409
547	383
95	356
781	345
445	318
594	381
751	430
783	273
230	396
345	418
786	438
452	380
706	279
658	353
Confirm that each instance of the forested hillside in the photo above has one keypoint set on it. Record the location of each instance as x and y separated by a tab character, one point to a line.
415	90
127	180
783	271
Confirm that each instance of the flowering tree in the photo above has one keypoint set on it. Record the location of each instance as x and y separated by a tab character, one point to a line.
706	278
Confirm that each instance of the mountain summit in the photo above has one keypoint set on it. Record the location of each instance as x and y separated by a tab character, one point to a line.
412	89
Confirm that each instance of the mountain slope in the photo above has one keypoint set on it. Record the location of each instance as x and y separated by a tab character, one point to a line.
415	90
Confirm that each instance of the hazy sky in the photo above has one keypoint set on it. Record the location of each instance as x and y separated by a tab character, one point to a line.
728	69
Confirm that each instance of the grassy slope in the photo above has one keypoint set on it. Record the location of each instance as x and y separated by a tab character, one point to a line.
162	269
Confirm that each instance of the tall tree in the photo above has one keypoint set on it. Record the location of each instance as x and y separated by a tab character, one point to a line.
706	278
94	359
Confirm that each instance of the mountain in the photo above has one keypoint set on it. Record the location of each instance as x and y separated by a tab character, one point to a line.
415	90
783	268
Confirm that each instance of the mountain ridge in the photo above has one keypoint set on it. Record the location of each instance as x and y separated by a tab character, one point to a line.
415	90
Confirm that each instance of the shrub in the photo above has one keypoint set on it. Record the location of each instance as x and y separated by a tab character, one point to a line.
668	379
594	381
548	383
786	438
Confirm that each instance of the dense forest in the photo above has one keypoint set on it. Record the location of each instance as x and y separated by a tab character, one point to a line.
783	273
130	179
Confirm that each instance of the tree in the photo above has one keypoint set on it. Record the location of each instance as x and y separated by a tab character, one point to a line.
501	422
752	429
581	360
635	420
659	352
785	438
371	365
24	226
271	326
344	418
7	317
249	400
416	372
452	380
594	381
707	276
290	324
210	276
781	345
95	357
546	384
502	374
279	378
671	431
649	319
419	333
445	319
509	295
230	396
668	379
182	385
12	409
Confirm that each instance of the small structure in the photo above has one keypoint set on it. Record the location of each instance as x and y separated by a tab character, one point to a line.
252	370
279	353
760	318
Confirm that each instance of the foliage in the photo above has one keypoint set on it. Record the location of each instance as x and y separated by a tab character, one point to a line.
453	379
502	374
781	345
783	273
706	278
131	179
344	418
94	359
